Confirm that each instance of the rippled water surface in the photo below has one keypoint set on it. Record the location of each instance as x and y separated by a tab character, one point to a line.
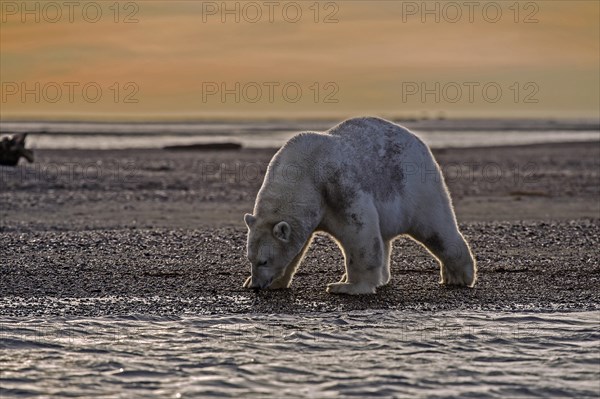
400	354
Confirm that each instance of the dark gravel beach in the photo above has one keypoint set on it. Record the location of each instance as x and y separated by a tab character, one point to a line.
157	232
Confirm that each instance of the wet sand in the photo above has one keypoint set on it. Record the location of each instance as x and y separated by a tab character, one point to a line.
160	232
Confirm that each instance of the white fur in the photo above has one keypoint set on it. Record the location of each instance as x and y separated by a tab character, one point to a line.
364	182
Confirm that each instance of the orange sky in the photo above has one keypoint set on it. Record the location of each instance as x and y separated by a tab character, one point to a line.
544	60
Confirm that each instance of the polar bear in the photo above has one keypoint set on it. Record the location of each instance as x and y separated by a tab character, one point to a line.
364	182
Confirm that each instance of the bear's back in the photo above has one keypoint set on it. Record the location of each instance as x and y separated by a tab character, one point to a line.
370	127
368	150
376	143
373	155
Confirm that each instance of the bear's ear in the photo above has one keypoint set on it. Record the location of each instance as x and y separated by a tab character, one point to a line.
249	219
282	231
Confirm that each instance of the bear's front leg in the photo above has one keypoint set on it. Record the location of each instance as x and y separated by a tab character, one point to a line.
282	282
286	280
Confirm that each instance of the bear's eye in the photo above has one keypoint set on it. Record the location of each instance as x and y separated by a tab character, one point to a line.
261	264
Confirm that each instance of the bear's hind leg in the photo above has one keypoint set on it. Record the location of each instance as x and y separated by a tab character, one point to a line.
446	243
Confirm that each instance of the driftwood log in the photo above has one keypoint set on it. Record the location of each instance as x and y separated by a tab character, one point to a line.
12	148
204	147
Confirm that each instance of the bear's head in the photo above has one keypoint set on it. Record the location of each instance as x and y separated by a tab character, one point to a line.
271	248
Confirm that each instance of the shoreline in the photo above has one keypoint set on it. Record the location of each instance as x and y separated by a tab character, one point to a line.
157	272
170	230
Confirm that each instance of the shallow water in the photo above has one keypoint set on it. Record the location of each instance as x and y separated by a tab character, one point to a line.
277	139
80	135
361	354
